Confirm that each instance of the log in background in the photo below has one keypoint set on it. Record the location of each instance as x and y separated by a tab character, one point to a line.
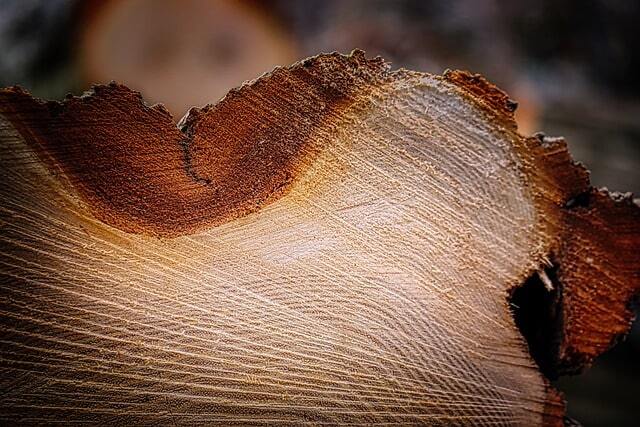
563	61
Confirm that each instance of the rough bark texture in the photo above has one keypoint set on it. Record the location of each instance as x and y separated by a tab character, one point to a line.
331	243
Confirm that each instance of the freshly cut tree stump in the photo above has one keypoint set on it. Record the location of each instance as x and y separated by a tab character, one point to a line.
333	243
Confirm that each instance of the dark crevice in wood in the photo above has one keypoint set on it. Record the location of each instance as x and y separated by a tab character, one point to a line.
185	145
580	201
537	311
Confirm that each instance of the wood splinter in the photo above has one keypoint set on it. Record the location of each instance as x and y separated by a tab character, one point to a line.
334	242
548	285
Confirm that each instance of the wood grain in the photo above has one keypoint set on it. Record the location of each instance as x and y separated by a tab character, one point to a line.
334	243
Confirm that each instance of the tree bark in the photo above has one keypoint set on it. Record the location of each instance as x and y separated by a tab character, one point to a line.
332	243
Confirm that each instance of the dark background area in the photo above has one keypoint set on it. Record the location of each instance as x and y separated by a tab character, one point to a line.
571	65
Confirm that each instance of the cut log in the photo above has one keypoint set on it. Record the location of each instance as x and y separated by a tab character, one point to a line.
332	243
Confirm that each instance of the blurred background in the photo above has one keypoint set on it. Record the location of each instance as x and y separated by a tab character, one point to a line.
571	65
